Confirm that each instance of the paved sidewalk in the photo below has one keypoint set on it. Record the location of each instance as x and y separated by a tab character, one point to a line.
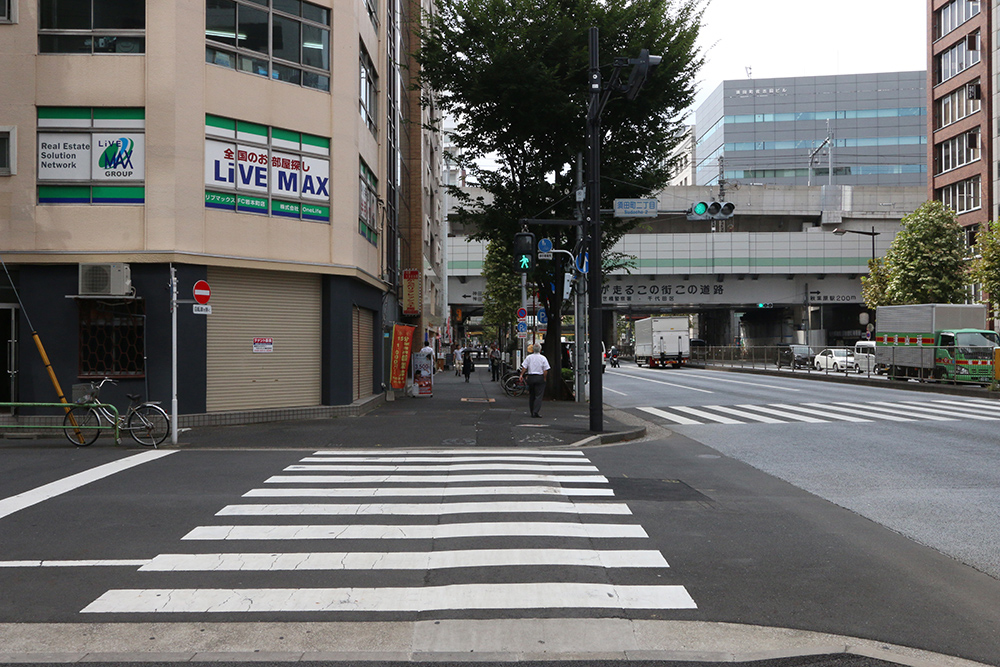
459	414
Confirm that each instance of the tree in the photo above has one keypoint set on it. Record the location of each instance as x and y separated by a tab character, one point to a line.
986	265
873	286
925	263
503	290
513	74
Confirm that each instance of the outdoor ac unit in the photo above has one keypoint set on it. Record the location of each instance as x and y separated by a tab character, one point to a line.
105	279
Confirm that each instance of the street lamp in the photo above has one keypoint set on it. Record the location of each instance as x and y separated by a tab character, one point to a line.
872	233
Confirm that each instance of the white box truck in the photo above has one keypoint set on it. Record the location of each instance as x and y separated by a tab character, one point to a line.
662	340
935	341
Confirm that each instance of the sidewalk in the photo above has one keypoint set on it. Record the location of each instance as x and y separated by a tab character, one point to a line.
459	414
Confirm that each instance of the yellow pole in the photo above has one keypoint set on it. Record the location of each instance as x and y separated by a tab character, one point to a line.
55	383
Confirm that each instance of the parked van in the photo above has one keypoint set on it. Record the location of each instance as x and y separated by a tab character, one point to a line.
864	357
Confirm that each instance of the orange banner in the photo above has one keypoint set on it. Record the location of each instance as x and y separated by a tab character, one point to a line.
402	342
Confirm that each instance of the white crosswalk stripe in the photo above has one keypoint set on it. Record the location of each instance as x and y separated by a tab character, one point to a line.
822	413
567	523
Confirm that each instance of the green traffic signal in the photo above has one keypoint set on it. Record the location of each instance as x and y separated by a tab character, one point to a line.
700	208
525	262
524	252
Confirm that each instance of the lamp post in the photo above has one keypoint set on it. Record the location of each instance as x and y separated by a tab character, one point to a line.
872	233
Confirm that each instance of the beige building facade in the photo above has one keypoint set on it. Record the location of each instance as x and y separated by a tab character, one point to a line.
251	144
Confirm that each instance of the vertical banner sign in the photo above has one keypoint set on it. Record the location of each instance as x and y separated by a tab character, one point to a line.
423	375
411	291
402	343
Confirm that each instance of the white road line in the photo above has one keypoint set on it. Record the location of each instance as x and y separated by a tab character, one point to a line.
394	560
854	408
620	393
965	405
924	407
782	413
822	413
22	500
745	415
669	384
385	460
706	415
713	378
890	407
677	419
432	479
423	509
984	402
417	532
430	598
434	491
458	467
73	563
448	452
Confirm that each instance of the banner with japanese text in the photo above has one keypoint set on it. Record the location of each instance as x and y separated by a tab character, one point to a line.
402	343
411	292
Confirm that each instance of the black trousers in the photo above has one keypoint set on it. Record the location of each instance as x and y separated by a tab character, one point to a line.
536	392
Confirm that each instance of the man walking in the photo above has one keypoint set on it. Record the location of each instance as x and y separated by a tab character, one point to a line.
536	367
495	362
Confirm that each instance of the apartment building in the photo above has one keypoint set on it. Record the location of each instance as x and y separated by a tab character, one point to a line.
960	97
256	145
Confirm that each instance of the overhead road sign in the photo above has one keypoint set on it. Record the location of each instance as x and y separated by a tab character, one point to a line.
636	208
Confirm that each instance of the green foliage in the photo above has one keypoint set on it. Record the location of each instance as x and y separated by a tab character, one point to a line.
873	285
925	263
503	288
986	265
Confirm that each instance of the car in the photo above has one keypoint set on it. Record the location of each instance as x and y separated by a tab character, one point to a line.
834	359
795	356
864	357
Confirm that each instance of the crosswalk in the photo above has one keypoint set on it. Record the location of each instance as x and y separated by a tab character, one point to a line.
511	531
935	410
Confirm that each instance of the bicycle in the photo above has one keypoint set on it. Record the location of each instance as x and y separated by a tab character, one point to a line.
146	422
513	384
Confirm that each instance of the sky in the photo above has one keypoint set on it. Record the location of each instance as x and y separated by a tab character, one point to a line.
778	38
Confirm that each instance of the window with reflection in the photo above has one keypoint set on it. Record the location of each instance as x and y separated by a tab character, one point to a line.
285	40
91	26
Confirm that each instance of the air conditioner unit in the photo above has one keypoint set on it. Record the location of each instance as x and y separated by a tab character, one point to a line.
105	279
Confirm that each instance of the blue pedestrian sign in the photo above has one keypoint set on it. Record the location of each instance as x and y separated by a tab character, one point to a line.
542	316
545	245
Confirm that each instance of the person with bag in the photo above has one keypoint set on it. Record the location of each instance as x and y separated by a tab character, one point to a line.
467	366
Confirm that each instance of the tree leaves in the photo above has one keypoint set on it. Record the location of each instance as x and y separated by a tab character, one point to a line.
926	261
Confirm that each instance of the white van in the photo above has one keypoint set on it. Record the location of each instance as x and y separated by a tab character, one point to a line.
864	357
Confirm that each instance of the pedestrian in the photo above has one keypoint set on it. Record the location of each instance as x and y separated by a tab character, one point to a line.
467	366
459	360
536	367
495	362
428	352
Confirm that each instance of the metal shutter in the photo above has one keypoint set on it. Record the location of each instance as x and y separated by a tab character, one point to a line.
285	307
364	357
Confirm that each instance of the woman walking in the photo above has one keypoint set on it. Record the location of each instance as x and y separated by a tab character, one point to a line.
467	367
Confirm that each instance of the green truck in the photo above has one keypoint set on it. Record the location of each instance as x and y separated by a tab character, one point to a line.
935	341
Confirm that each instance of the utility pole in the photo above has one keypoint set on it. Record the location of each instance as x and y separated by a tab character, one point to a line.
594	227
580	349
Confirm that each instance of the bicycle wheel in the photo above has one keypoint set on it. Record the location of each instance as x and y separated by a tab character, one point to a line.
149	425
82	416
514	386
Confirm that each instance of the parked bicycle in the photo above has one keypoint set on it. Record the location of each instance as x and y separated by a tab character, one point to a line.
146	421
513	384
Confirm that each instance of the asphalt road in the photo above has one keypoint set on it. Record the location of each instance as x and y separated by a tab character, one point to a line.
879	531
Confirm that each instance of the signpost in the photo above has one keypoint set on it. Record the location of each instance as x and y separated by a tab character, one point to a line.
202	292
636	208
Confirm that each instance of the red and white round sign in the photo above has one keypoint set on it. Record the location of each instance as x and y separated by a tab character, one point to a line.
202	292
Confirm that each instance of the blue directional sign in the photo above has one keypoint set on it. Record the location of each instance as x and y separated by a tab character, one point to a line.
542	316
545	245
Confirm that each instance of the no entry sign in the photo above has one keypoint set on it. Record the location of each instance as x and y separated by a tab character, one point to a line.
202	292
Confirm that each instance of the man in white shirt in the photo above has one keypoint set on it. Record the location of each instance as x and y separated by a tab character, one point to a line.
536	367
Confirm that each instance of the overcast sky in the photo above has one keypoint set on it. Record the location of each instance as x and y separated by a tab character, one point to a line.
777	38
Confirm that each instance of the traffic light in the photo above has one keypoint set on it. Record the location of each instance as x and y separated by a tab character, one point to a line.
643	68
524	252
765	305
716	210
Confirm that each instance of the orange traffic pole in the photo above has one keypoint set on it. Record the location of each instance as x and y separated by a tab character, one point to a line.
55	382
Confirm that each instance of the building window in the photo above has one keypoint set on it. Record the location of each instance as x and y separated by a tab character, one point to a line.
958	58
91	155
254	168
952	15
285	40
368	208
957	105
963	196
112	338
372	7
7	8
369	91
957	151
6	156
91	26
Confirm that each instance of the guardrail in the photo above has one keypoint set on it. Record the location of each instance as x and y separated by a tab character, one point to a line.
41	422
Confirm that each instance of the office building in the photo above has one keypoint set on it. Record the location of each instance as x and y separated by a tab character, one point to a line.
870	129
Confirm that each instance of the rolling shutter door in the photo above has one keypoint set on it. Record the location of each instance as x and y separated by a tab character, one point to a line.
364	357
283	307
